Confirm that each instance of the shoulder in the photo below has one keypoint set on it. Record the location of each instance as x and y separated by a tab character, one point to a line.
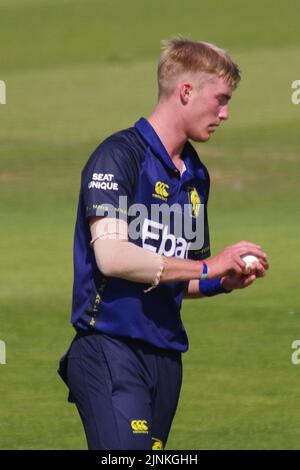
121	148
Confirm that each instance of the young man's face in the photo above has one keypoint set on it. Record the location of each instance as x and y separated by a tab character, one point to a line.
206	108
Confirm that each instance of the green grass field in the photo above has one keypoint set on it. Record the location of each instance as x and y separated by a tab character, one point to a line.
77	71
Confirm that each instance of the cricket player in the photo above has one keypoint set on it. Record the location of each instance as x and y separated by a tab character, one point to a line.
134	264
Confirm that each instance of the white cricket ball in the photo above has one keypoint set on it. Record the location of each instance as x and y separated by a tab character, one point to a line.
249	261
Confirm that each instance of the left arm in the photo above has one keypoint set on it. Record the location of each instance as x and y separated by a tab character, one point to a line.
192	290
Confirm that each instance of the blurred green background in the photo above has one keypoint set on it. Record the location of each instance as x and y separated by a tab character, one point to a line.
78	70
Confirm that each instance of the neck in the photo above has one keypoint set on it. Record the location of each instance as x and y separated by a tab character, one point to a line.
167	125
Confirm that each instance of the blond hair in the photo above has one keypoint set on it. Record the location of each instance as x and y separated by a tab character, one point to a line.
181	55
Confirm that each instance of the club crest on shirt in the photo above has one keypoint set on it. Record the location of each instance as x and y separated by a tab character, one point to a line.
195	201
157	444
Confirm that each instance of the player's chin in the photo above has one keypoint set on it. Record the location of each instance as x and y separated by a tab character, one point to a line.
203	137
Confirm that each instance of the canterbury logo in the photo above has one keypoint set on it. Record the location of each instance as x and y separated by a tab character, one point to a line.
195	202
139	426
161	189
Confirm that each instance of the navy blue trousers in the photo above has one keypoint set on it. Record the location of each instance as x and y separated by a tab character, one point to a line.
126	391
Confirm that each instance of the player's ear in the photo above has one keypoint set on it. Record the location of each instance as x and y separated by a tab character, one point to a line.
185	91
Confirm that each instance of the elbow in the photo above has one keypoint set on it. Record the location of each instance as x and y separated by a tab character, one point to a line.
109	266
108	269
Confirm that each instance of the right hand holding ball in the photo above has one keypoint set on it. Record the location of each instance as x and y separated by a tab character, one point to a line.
254	265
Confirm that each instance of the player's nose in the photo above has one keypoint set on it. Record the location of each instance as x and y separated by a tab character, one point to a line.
224	112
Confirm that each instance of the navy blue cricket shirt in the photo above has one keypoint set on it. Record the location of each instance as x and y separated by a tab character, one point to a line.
134	163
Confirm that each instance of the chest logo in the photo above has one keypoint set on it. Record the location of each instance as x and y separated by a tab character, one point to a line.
194	200
161	191
139	426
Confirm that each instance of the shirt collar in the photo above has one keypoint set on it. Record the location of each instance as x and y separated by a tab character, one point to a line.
149	134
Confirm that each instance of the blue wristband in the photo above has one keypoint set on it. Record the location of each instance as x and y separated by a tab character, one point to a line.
210	287
204	271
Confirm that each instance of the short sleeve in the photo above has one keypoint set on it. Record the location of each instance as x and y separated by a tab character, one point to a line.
109	181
